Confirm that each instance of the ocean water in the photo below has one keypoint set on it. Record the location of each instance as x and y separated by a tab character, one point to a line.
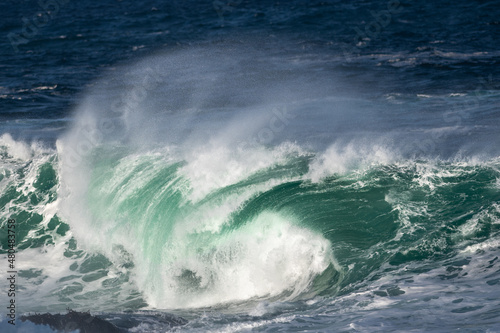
319	166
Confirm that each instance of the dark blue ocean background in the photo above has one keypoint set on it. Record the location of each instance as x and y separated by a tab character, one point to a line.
395	132
426	47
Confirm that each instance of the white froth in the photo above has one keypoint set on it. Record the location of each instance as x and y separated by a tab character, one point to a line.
16	149
338	159
212	166
267	257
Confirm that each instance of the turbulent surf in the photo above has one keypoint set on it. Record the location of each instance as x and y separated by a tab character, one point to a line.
215	179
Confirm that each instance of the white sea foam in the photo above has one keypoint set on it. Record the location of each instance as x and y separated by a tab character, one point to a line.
267	257
16	149
216	166
338	159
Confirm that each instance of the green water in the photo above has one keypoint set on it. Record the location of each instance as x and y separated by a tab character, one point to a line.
148	229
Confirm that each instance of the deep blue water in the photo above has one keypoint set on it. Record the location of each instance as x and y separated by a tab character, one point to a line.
270	166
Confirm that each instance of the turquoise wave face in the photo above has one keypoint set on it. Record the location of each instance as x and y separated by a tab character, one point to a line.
153	229
237	231
199	238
